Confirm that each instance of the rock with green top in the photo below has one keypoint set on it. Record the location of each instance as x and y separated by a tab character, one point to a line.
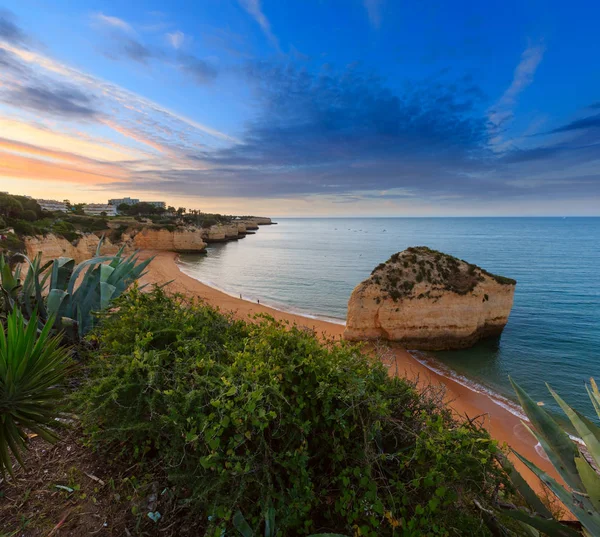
429	300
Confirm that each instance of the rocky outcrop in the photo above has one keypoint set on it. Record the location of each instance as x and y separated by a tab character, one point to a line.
428	300
52	247
140	237
251	223
183	241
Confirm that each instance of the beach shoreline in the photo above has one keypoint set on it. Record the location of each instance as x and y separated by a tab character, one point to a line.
503	424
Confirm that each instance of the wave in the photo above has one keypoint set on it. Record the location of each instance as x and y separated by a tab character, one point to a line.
441	369
438	367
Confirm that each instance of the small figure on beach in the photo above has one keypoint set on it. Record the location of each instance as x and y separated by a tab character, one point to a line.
257	301
240	296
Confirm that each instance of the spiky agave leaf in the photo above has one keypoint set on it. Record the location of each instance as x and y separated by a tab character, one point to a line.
550	527
589	518
70	293
594	394
529	495
32	368
559	448
589	433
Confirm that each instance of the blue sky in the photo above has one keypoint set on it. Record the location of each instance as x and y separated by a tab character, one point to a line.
354	107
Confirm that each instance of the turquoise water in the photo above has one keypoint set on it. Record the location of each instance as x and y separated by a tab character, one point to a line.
312	265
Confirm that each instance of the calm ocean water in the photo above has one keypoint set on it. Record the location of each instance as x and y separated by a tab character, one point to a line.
553	334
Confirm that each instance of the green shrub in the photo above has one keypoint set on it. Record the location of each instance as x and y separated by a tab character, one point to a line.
32	367
29	215
258	416
12	243
23	227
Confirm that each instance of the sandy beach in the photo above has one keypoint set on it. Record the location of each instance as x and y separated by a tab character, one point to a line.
503	425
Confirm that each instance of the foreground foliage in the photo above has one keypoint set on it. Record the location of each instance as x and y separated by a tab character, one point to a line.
32	369
259	417
576	465
68	293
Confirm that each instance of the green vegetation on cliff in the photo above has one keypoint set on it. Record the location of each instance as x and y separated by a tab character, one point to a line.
403	270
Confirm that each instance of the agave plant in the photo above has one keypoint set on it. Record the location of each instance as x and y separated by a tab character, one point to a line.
69	293
244	529
577	466
32	367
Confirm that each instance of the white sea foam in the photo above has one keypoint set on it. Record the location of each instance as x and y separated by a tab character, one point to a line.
439	368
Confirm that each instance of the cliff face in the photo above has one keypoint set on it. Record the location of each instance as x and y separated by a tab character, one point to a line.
146	238
430	301
172	241
52	247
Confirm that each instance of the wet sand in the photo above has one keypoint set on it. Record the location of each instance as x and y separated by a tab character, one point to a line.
502	424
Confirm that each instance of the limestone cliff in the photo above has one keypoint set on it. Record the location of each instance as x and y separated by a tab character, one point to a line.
180	240
140	237
52	247
430	301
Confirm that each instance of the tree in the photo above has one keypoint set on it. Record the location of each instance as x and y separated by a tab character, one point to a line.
123	208
10	206
103	213
29	215
181	211
78	208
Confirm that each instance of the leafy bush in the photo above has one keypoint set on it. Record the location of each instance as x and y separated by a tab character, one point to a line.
12	243
29	215
32	367
25	228
65	229
259	416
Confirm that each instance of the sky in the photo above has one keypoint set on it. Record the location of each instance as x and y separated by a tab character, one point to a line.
305	107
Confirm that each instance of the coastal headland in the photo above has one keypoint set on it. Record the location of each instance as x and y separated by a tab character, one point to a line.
503	425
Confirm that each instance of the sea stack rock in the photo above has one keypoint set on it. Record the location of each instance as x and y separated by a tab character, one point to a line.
429	300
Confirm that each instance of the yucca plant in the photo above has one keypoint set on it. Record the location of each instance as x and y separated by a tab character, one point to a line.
69	293
32	368
576	464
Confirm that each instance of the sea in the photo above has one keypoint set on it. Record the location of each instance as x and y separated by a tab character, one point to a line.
311	265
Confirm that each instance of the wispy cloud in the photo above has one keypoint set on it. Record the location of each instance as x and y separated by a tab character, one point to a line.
112	22
502	112
201	71
176	39
590	122
9	31
254	8
60	100
523	76
373	8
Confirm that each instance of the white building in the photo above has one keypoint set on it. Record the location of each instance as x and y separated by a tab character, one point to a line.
96	209
160	204
52	205
127	201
